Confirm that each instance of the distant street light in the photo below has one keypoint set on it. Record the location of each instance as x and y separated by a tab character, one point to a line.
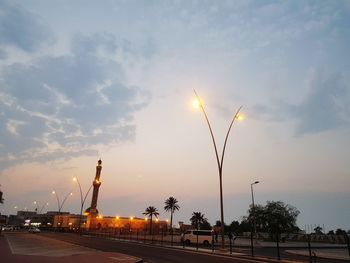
253	216
59	204
198	104
130	226
42	207
82	200
37	207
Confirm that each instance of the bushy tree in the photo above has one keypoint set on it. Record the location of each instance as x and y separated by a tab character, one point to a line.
240	227
330	232
198	220
274	217
340	231
205	225
318	230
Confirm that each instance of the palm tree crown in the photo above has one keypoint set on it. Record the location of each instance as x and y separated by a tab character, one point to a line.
150	212
197	219
171	205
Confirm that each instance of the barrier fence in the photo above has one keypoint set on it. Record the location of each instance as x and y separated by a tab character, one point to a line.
267	245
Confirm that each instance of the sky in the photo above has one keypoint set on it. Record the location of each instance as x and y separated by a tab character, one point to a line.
83	80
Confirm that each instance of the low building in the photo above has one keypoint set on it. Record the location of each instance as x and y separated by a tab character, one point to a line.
68	221
125	223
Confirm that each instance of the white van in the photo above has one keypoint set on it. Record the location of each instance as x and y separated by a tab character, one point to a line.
204	236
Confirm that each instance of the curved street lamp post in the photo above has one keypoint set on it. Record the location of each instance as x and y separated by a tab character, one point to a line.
82	200
59	204
198	104
37	207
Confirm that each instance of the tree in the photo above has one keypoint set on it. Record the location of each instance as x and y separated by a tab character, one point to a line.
198	220
274	217
340	231
171	205
330	232
205	225
318	230
150	212
226	227
235	227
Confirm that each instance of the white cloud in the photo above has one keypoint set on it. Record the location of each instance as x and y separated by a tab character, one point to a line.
12	126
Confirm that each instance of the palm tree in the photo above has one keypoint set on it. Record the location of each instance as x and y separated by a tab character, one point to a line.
150	212
171	205
197	219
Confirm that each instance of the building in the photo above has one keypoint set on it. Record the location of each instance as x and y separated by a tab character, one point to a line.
126	223
3	219
68	221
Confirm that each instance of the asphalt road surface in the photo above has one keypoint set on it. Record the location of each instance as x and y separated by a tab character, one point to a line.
157	254
149	253
50	244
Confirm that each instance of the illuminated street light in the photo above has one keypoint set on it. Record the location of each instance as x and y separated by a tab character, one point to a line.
198	104
82	200
59	204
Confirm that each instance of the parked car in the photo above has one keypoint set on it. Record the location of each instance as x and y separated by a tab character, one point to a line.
8	228
34	230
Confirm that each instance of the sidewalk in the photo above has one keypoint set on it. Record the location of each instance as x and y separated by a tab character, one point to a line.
24	255
341	254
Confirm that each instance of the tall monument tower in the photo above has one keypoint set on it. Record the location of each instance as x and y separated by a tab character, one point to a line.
92	211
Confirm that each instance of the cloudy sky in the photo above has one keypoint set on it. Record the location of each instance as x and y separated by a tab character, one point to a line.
83	80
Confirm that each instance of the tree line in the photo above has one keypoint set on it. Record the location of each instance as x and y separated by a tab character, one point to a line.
273	217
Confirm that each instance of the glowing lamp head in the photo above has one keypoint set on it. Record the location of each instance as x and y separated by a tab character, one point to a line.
196	104
53	192
240	117
75	178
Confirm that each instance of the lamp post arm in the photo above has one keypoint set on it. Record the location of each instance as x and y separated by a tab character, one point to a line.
211	132
87	193
64	200
228	133
81	192
58	202
42	207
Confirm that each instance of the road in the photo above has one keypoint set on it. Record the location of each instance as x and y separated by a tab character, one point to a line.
149	253
61	245
25	247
